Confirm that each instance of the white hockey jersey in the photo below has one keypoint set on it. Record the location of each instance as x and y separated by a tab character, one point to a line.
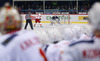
38	17
21	46
54	52
84	37
87	50
64	43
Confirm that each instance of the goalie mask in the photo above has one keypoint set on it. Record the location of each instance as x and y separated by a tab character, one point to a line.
10	19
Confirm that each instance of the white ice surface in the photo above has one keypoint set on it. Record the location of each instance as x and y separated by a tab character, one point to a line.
47	26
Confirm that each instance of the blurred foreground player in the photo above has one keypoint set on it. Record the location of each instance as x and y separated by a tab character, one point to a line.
37	20
17	44
87	50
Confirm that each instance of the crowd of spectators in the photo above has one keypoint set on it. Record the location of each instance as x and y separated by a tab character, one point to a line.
59	6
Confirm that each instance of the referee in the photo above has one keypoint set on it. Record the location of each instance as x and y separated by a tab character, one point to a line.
28	20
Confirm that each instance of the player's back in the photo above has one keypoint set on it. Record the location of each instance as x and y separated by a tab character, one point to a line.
63	43
53	52
20	46
87	50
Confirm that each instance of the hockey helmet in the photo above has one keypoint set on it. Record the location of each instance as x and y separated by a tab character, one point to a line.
54	35
94	16
10	19
77	31
41	34
67	34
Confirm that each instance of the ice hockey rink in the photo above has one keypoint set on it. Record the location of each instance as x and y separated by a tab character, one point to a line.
79	19
47	26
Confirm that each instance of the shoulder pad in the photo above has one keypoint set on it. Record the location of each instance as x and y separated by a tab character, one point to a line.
82	41
9	39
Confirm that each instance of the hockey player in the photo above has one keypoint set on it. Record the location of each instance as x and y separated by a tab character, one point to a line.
37	20
67	36
17	44
55	19
79	34
52	50
87	50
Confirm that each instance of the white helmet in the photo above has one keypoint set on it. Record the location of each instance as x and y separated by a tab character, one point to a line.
94	16
43	37
54	35
67	34
10	19
39	15
77	31
87	30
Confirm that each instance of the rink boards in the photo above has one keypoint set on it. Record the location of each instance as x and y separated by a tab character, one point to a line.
69	18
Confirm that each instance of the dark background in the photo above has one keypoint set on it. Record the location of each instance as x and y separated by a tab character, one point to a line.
23	6
3	1
11	1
